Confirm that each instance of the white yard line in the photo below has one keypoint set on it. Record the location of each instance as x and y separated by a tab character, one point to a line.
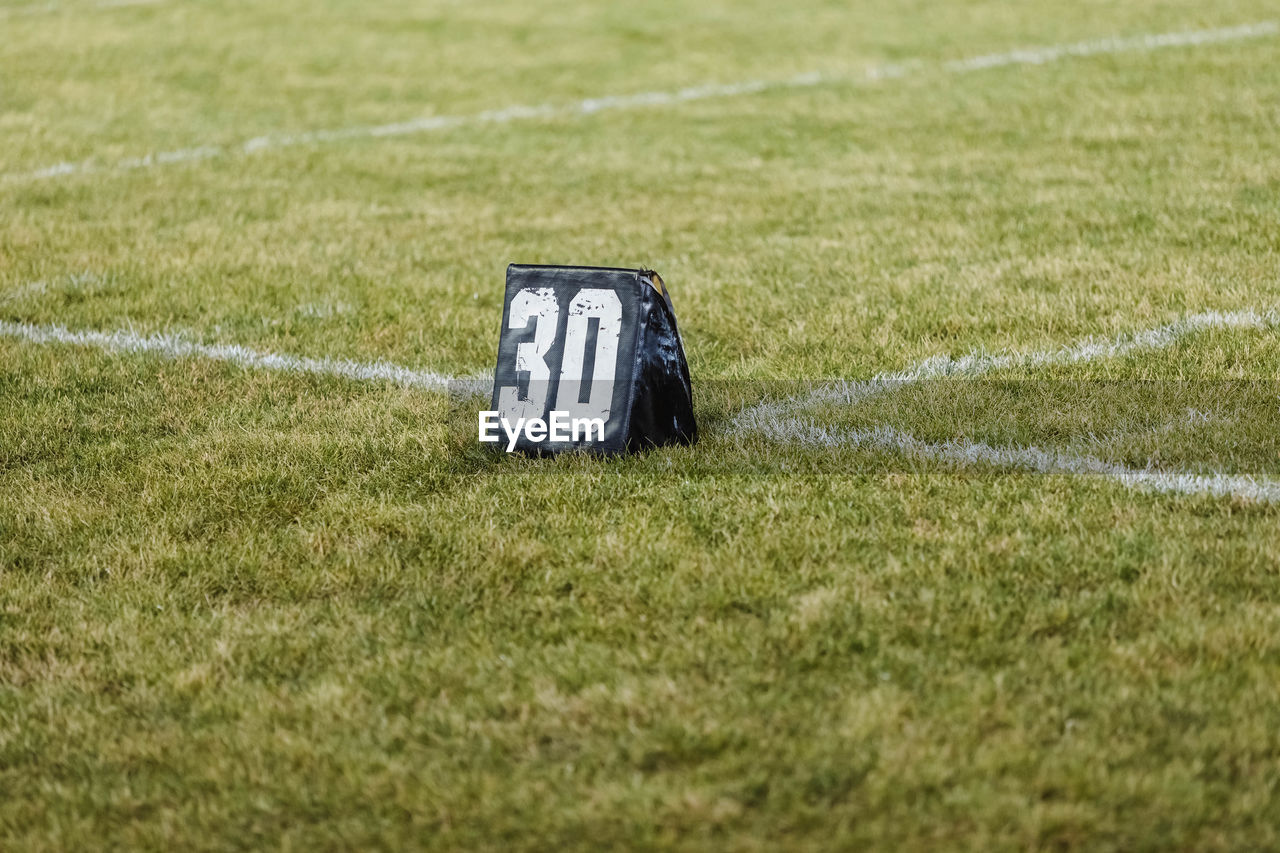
962	452
589	106
777	421
762	416
178	346
1119	44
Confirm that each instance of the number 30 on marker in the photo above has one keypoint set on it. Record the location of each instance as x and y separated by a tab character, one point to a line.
593	343
576	392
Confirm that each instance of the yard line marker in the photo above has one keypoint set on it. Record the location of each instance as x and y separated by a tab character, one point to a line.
779	424
638	100
177	346
1028	458
762	415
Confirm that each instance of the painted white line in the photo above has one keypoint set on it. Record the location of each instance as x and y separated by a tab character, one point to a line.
776	420
762	415
590	106
1028	458
780	425
1052	53
177	346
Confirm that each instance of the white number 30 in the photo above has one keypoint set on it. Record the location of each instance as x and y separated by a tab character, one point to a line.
539	304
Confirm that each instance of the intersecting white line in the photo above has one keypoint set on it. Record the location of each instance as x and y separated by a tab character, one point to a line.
589	106
796	431
759	416
778	421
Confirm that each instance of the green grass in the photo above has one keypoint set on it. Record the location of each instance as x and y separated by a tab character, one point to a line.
256	610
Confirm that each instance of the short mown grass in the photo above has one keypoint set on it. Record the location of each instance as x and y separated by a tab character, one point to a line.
243	609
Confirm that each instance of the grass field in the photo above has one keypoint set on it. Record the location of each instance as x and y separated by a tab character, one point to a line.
1026	600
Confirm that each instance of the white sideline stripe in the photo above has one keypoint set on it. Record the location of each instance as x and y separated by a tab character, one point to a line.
762	415
588	106
1028	458
176	346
